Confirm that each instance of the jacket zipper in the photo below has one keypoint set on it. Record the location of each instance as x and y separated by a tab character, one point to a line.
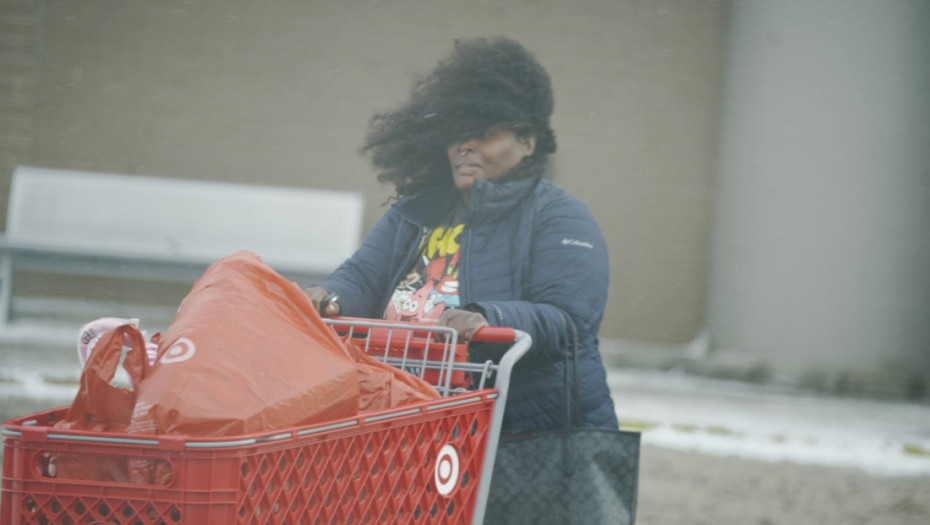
406	267
465	248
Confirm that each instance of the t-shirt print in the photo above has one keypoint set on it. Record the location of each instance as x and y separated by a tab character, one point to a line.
432	285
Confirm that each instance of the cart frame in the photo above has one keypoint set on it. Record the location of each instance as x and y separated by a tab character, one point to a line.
28	434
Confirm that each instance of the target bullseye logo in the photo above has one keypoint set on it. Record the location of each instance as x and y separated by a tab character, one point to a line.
182	350
446	470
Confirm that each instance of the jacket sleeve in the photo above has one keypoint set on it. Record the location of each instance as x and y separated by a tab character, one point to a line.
361	281
568	276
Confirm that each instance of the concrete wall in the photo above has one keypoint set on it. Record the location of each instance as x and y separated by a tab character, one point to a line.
280	93
821	239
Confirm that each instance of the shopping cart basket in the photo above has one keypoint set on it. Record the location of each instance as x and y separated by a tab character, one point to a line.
428	462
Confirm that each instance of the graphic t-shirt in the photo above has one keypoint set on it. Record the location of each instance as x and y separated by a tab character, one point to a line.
432	285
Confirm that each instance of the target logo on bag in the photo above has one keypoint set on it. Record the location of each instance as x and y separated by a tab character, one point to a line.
446	470
182	350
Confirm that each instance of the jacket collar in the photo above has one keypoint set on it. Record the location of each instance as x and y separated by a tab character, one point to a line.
489	200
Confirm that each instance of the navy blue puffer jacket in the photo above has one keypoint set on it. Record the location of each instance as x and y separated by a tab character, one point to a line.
533	258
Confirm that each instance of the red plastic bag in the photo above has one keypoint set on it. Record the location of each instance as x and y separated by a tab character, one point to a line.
382	386
248	352
100	406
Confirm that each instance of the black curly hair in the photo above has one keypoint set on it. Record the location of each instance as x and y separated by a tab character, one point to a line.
485	83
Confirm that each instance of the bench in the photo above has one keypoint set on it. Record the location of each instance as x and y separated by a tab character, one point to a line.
148	228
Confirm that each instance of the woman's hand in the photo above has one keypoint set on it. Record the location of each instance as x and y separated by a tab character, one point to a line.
462	321
323	302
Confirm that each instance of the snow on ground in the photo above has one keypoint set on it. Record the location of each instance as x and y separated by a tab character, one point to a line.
32	383
736	419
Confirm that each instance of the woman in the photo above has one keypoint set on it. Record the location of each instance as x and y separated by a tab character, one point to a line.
478	235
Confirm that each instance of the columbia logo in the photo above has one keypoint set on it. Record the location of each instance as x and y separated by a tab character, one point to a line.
574	242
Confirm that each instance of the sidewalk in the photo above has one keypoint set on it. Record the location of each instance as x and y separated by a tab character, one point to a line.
728	418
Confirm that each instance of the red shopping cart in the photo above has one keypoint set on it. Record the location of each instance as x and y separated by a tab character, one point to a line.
423	463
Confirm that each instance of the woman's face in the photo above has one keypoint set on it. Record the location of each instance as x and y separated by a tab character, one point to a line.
487	157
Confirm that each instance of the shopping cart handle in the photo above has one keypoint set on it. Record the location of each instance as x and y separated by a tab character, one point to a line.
494	334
